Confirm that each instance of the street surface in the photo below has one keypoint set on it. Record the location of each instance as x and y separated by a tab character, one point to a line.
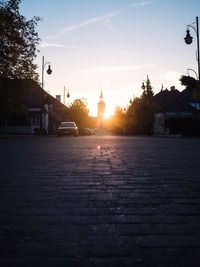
99	201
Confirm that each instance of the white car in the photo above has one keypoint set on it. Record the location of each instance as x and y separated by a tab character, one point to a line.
67	128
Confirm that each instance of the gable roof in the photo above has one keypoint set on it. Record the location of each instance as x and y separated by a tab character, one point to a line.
31	96
164	97
29	91
181	103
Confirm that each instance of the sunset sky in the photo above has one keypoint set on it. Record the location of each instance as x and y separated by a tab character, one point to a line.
112	45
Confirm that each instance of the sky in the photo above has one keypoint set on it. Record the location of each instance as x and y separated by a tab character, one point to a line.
112	45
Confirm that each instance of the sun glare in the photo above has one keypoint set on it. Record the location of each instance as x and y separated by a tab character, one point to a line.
107	115
108	112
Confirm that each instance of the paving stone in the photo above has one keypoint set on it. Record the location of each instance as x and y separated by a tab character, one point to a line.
99	201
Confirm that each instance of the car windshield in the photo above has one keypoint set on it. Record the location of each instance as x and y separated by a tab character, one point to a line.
67	124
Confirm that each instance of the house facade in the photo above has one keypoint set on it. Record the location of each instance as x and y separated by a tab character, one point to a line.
28	109
180	114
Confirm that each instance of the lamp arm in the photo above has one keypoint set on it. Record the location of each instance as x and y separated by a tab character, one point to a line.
190	26
194	72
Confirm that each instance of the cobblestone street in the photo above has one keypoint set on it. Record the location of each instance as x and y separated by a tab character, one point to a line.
99	201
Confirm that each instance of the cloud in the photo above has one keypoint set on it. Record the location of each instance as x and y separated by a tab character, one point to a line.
106	18
90	49
117	68
141	4
109	51
57	45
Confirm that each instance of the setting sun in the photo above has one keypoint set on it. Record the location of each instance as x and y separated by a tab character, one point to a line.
108	112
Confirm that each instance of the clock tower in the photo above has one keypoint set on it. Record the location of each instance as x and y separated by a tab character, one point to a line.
101	111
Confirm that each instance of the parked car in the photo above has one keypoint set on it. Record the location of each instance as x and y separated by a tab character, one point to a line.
67	128
93	130
86	131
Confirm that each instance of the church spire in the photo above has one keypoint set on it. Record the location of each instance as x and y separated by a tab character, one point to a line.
101	95
101	111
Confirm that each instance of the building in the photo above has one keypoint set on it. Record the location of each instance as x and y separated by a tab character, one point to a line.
179	114
25	108
161	100
101	111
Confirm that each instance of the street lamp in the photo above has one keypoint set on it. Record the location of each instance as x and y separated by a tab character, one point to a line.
49	71
68	95
188	40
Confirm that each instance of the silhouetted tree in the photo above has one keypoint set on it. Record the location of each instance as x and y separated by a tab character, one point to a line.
17	43
135	116
79	113
117	123
146	106
140	112
190	82
138	118
147	90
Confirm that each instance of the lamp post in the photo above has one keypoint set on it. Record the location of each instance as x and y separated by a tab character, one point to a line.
64	95
68	96
188	40
49	71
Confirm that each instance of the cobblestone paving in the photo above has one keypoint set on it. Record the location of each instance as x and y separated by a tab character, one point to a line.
99	201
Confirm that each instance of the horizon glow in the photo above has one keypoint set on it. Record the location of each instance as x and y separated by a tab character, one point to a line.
112	46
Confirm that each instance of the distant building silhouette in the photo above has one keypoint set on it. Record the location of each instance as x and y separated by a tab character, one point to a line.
101	111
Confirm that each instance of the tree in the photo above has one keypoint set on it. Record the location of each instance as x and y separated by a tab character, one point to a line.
140	112
190	82
79	113
135	116
147	90
117	123
17	43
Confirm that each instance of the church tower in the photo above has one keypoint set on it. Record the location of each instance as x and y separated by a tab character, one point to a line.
101	111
